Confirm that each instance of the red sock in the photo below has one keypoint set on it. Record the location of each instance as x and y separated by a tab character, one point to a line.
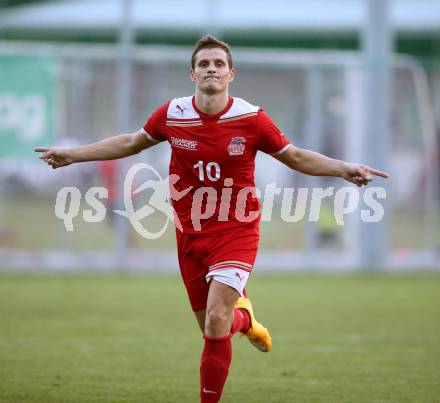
241	322
214	368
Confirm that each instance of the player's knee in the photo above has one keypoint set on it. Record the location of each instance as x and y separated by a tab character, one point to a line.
216	317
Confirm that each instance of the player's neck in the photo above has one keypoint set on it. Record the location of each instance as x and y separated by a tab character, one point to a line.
211	103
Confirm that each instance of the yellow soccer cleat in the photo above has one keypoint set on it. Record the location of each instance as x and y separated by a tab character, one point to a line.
257	334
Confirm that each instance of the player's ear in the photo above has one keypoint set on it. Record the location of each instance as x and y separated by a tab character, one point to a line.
192	74
232	74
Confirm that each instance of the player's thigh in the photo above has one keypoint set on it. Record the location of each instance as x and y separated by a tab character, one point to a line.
221	294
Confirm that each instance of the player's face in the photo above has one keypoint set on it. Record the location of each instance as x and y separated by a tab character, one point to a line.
211	72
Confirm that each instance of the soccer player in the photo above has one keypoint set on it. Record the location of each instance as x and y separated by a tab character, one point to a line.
214	139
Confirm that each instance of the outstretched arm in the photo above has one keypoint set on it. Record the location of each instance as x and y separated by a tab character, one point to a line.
313	163
110	148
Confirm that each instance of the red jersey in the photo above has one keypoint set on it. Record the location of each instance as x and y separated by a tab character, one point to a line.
214	158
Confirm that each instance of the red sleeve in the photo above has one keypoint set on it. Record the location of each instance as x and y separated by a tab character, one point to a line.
156	124
270	139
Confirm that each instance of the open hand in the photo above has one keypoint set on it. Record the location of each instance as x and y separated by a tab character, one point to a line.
55	157
360	174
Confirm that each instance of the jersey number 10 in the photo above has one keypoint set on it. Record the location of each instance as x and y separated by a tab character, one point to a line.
212	170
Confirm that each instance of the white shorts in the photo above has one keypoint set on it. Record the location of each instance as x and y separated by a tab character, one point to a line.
234	277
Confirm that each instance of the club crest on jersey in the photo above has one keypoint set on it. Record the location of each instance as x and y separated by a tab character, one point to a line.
236	146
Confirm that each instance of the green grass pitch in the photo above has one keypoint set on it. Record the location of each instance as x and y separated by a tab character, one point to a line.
357	338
